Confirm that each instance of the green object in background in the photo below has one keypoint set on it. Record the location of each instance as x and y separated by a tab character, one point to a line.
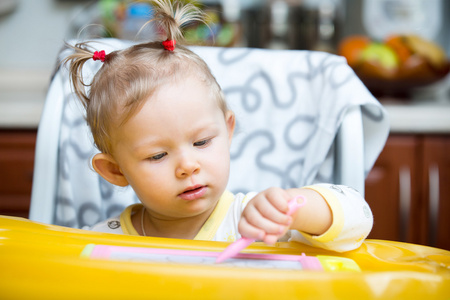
226	35
124	18
108	8
382	54
108	12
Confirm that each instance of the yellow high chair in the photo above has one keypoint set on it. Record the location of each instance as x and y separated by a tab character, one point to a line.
303	117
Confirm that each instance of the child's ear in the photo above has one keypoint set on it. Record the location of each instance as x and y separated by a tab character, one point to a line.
107	167
231	123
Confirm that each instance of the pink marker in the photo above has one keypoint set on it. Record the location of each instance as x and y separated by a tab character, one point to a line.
236	247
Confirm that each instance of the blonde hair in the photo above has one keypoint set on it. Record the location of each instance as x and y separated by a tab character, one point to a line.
130	76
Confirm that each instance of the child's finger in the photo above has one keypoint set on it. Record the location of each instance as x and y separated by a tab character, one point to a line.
279	199
249	231
268	211
270	239
254	218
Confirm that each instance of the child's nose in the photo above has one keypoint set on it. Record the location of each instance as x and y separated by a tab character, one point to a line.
188	165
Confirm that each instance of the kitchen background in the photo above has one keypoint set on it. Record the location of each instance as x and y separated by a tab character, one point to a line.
408	188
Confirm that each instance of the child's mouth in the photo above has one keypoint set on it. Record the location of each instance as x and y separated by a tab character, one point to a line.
193	192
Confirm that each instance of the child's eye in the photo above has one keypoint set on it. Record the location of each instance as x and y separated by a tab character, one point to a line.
202	143
157	156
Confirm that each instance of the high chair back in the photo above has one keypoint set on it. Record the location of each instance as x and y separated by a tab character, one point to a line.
302	117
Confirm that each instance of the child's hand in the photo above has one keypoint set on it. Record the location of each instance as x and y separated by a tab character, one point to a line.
265	217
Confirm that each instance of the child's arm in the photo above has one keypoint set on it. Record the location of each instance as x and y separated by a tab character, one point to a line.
265	217
335	217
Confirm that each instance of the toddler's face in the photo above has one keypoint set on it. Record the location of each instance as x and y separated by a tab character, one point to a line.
175	151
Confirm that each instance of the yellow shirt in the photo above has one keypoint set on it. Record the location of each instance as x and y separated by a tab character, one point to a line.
352	220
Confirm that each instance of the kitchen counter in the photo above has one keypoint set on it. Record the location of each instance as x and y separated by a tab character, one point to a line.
419	117
22	97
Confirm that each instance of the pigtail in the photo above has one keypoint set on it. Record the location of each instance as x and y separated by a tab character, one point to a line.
172	16
76	61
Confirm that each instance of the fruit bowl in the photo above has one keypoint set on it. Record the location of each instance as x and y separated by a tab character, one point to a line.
397	66
402	81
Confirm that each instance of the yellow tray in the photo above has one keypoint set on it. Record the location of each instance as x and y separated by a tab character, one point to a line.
40	261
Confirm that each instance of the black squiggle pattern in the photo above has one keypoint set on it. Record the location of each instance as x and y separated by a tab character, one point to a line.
306	139
247	105
234	56
90	208
106	188
62	215
370	113
288	180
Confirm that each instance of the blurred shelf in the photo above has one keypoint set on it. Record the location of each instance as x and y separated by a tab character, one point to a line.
22	97
425	117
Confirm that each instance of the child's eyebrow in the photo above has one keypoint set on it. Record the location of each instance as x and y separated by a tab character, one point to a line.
208	128
145	143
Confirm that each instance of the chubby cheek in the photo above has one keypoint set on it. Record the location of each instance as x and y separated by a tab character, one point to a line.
219	166
147	181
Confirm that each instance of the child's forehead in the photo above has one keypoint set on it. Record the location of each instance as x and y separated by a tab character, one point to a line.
175	96
169	119
189	89
179	97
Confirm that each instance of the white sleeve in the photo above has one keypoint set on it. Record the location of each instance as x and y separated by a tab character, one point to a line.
352	220
228	229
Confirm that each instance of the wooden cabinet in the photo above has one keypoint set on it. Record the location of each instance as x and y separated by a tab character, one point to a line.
409	190
16	171
436	192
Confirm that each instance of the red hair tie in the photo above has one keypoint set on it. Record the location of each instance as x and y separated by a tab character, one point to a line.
169	44
99	55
